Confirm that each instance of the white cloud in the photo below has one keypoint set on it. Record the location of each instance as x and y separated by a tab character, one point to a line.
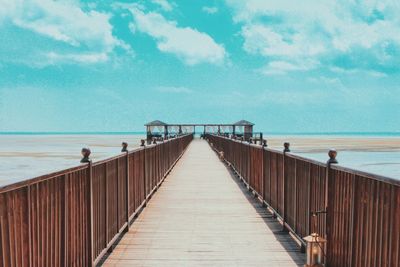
190	45
282	67
322	80
174	90
164	4
65	22
210	10
84	58
260	39
319	30
353	71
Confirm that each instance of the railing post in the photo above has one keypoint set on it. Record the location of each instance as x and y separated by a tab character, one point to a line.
91	255
263	144
144	173
329	212
308	211
65	225
286	149
85	159
106	207
125	149
28	188
248	168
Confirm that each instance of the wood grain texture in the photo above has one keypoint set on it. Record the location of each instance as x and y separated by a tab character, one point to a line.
202	216
360	218
72	217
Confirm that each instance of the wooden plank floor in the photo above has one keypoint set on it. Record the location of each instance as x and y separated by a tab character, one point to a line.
202	216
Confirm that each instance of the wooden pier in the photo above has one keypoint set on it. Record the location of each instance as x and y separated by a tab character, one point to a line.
203	216
242	204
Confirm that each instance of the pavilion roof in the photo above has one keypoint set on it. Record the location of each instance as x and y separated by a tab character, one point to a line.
156	123
243	123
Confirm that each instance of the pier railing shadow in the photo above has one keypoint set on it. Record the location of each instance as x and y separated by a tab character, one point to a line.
73	217
283	237
358	213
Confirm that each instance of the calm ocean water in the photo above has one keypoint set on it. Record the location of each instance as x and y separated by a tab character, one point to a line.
24	156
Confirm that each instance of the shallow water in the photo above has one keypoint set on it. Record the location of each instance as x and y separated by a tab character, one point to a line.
27	156
377	162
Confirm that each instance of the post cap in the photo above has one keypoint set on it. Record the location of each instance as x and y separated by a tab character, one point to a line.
286	145
264	143
85	155
332	156
124	147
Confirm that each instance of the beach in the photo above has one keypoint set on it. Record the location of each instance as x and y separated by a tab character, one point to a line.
374	154
31	155
27	156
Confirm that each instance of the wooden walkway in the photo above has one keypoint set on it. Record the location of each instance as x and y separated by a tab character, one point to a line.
203	216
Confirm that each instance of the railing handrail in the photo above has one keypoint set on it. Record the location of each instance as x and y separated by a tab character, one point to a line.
368	175
81	166
81	211
40	178
374	176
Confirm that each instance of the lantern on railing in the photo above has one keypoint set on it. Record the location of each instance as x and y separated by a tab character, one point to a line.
315	250
221	155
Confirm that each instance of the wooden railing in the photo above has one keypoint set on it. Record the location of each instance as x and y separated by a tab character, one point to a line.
72	217
358	213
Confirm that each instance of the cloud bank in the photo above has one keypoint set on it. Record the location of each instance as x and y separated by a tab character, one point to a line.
87	35
190	45
343	34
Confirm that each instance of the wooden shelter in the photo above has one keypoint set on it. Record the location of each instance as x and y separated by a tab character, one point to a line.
157	129
245	129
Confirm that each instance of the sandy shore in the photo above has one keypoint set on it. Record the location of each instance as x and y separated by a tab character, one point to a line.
27	156
324	143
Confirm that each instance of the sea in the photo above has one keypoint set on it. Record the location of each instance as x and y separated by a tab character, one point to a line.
28	155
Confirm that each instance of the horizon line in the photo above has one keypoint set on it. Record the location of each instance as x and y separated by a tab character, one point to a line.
144	132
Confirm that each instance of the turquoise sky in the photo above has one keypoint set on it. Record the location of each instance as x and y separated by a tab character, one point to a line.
318	66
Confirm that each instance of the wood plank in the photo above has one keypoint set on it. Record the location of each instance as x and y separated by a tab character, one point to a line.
202	215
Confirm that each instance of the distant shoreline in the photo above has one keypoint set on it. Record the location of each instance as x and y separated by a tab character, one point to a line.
364	134
72	133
